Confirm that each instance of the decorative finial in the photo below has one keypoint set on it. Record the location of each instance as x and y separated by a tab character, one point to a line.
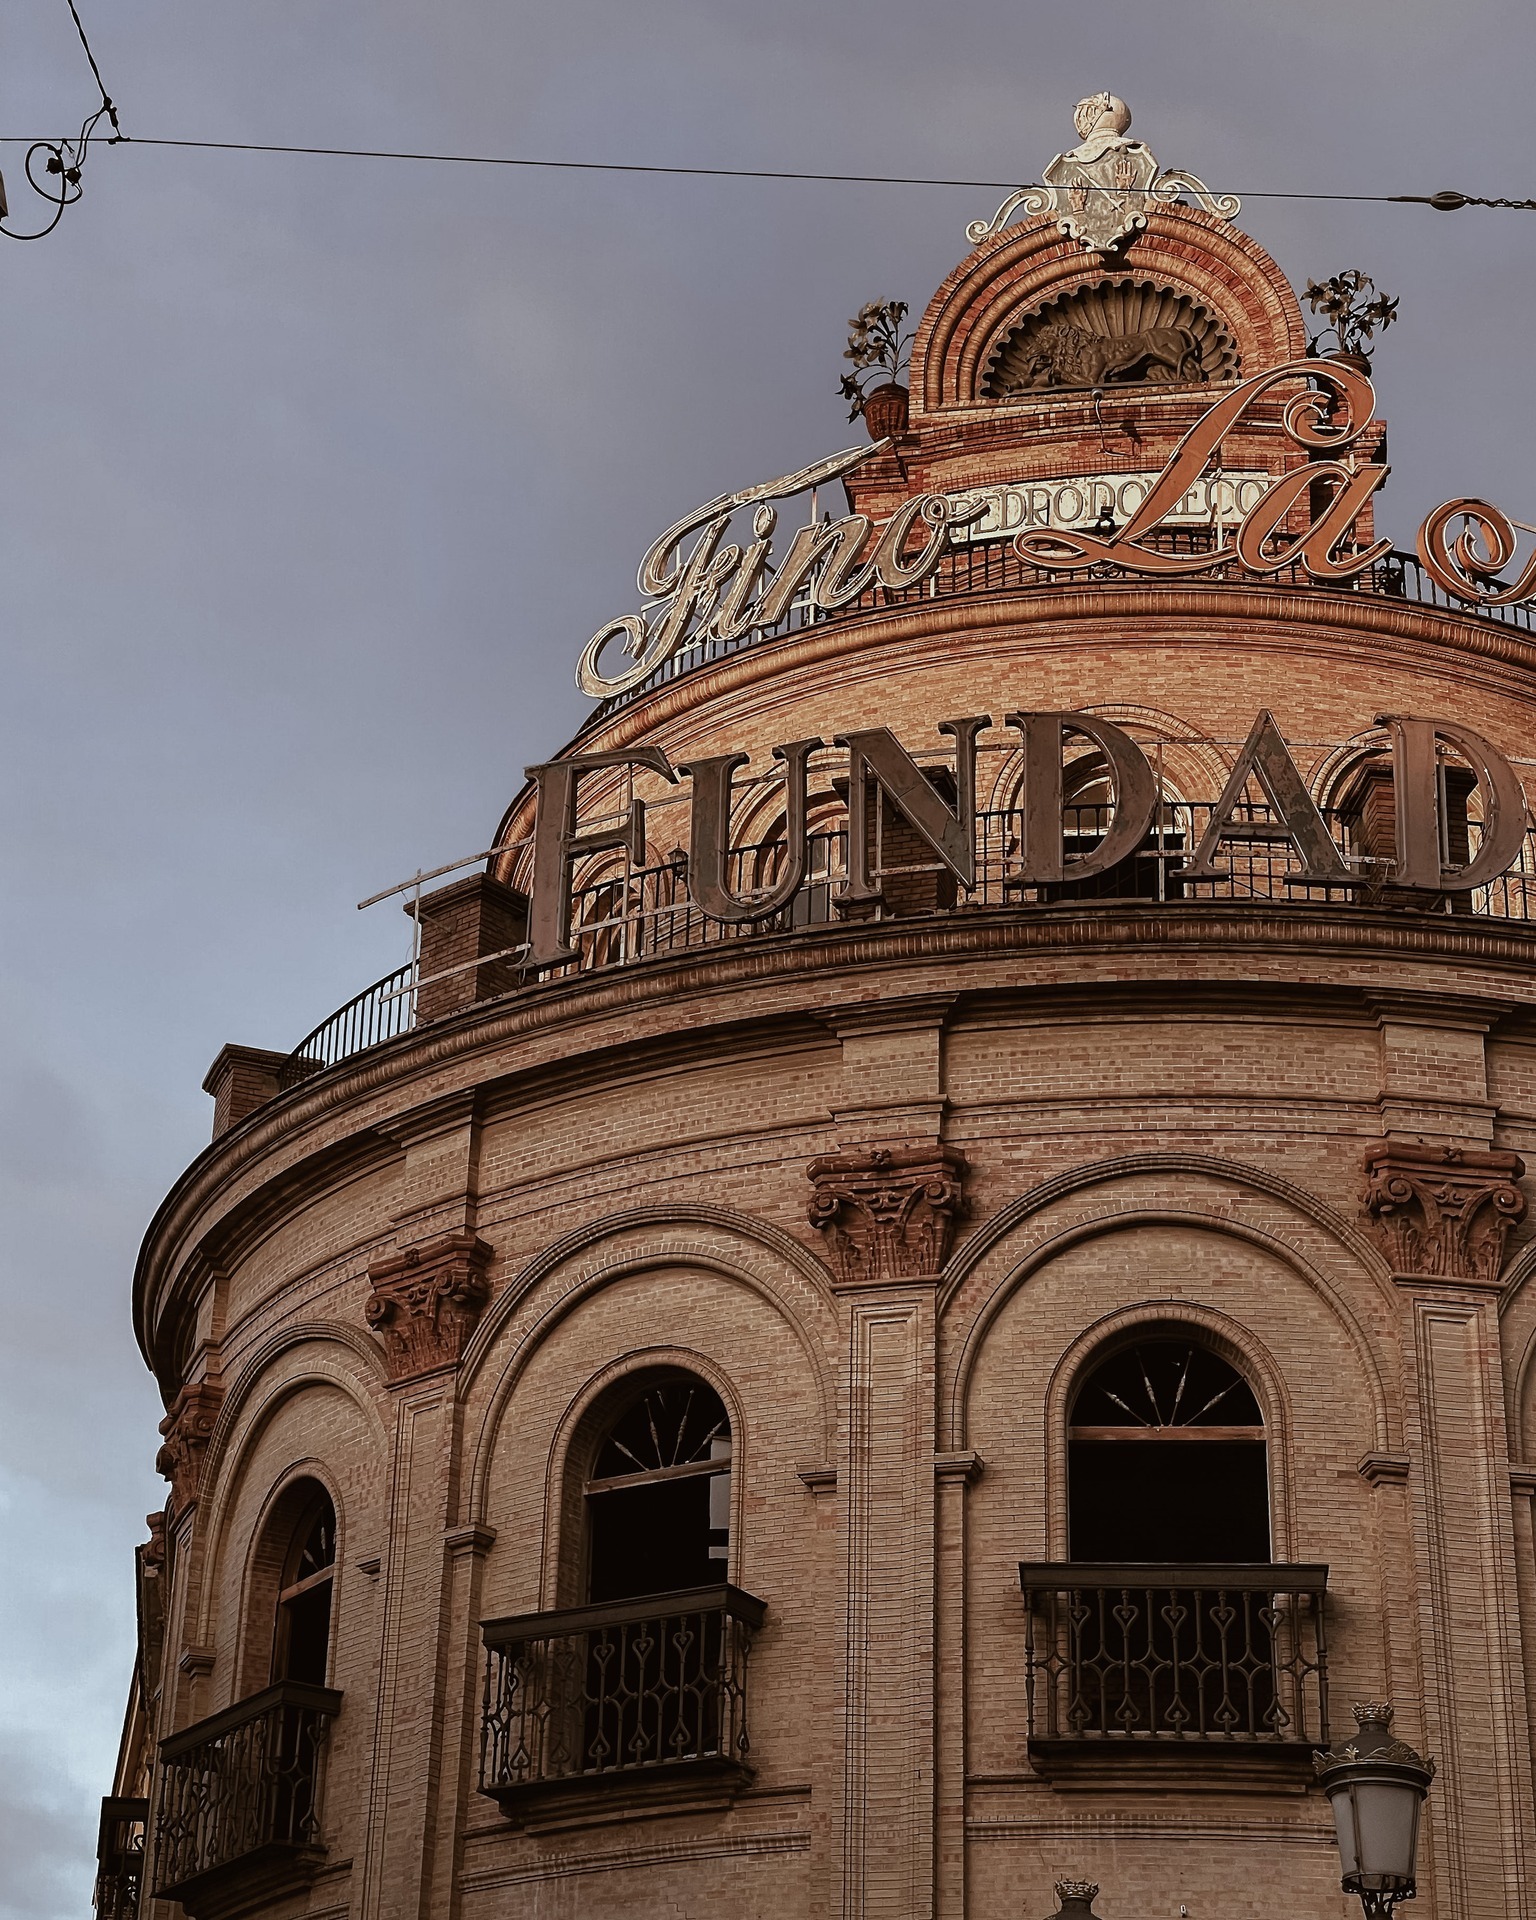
1074	1899
1102	190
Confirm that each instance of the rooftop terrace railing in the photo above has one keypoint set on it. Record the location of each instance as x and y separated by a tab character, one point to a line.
978	568
646	913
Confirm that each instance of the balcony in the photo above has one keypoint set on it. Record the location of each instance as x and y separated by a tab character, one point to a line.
1153	1674
120	1859
237	1818
593	1711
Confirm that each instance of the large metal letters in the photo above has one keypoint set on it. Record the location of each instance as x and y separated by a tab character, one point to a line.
557	845
1045	737
1426	836
1266	759
723	592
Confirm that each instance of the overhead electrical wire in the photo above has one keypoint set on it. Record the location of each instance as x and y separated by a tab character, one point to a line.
1445	201
61	187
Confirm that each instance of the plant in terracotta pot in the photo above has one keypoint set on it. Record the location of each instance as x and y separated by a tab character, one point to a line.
1351	315
879	347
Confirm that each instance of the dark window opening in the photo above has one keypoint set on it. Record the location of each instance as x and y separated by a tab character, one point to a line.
301	1649
1168	1470
659	1497
1167	1461
1148	872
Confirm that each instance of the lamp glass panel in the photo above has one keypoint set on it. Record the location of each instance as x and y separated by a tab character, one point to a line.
1342	1800
1387	1816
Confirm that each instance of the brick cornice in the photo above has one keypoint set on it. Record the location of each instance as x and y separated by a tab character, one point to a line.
774	970
1293	621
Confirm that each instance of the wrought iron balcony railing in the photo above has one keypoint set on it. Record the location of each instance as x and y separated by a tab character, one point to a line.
1160	1660
240	1796
120	1858
631	1689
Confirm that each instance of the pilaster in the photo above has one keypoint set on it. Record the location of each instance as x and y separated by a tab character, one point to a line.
423	1303
439	1180
1443	1215
888	1213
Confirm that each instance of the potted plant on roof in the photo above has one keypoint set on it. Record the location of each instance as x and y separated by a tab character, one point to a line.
879	347
1352	317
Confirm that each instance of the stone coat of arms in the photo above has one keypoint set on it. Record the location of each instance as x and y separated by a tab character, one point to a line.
1102	190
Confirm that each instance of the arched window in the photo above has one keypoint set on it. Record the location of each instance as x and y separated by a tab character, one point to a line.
288	1634
658	1497
1166	1458
302	1644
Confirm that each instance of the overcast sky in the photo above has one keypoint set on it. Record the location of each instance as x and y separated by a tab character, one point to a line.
317	474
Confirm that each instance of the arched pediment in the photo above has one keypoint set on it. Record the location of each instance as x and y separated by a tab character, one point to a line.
1200	273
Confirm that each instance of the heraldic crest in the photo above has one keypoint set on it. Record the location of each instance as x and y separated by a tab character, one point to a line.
1103	189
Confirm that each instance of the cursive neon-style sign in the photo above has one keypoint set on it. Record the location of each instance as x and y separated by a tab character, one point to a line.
701	586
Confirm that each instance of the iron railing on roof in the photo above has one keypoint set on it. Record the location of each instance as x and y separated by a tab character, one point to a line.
647	913
377	1013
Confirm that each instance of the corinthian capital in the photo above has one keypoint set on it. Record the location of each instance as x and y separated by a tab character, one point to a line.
1444	1212
888	1214
425	1302
185	1431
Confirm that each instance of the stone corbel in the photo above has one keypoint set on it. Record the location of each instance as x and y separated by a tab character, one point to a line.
185	1431
1443	1213
888	1214
424	1303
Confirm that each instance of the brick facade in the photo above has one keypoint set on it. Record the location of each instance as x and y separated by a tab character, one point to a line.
887	1185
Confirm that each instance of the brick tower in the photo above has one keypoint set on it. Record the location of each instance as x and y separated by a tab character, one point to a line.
925	1278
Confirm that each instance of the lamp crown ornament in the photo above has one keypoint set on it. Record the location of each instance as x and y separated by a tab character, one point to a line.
1101	191
1075	1900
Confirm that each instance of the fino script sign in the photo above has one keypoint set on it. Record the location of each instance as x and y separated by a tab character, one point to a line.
700	586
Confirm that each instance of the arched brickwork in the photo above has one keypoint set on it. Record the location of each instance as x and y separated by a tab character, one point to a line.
1025	265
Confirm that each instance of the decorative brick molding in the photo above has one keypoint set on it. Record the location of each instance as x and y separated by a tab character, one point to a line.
1444	1212
888	1214
1385	1469
425	1302
185	1431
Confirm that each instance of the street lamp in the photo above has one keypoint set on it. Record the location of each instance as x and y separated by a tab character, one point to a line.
1376	1787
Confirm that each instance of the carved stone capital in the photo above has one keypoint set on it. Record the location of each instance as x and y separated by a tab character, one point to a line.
1443	1212
425	1302
185	1431
889	1213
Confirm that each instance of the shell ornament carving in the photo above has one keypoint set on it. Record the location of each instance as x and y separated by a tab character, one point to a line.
1119	332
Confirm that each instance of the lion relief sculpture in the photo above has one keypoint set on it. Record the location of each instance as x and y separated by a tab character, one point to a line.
1060	354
